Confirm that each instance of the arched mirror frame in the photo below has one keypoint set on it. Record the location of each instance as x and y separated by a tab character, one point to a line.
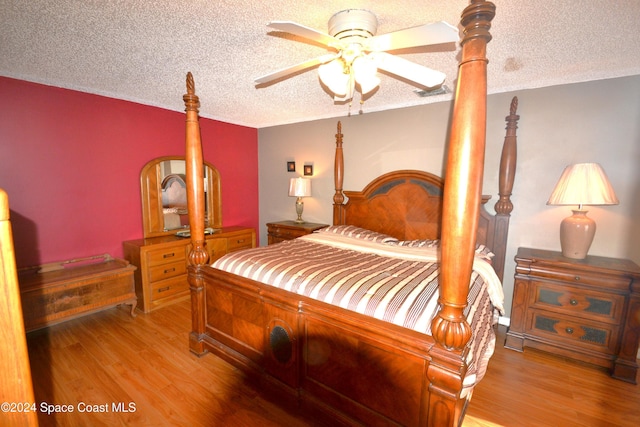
153	219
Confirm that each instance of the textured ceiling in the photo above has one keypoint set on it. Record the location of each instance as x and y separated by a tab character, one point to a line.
141	50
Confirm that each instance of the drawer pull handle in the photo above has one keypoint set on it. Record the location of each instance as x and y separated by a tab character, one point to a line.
569	330
573	302
166	288
169	255
577	278
169	270
240	241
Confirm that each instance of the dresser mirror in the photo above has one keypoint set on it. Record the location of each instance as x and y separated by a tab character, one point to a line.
164	196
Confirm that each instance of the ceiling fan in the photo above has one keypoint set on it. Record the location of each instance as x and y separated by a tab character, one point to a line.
358	53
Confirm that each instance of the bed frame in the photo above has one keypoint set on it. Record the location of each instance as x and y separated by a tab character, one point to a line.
347	367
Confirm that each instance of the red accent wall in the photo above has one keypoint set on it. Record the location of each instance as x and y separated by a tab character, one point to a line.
70	163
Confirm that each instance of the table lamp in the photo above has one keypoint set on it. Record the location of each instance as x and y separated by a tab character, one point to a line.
299	187
581	184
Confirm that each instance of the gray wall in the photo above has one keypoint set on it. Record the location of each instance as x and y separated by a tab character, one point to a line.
587	122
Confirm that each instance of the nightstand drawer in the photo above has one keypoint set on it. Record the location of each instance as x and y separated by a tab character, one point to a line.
575	332
273	240
287	233
289	230
166	255
582	278
575	301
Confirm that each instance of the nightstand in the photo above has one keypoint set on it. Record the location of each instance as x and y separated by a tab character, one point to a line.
587	310
288	230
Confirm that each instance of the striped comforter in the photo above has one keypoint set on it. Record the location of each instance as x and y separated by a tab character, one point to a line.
384	280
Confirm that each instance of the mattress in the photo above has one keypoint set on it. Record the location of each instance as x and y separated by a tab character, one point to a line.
377	276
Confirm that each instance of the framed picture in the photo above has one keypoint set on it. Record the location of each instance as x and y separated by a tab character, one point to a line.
308	170
291	166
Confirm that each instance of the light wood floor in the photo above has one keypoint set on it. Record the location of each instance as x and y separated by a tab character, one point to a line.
110	360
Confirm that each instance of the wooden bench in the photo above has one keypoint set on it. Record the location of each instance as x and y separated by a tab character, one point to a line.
56	292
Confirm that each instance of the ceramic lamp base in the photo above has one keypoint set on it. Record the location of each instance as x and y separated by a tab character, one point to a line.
299	209
576	234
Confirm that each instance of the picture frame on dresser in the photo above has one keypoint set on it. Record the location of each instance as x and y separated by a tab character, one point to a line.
586	310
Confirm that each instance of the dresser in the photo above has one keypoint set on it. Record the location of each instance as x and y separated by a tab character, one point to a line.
288	230
161	275
587	310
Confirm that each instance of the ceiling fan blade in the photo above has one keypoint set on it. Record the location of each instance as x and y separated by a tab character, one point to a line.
294	69
408	70
423	35
306	32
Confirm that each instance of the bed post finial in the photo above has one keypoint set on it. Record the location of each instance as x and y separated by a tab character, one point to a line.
338	171
191	101
504	206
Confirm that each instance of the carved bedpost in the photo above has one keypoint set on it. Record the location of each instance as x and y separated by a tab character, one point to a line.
463	179
507	175
15	371
198	255
338	177
462	194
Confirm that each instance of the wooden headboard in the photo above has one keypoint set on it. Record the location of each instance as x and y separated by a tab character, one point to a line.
404	204
407	204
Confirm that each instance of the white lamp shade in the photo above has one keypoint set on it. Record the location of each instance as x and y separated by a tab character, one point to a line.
299	187
583	184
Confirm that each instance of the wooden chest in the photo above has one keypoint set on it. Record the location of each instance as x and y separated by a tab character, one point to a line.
55	292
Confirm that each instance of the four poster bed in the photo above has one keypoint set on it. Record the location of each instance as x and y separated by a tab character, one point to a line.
400	330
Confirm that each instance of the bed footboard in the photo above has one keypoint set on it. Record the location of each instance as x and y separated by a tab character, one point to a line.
339	364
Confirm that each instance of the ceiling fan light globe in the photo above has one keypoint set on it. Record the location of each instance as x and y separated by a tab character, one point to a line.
333	77
368	84
364	66
364	70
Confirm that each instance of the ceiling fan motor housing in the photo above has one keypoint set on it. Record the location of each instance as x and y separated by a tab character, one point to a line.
353	23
